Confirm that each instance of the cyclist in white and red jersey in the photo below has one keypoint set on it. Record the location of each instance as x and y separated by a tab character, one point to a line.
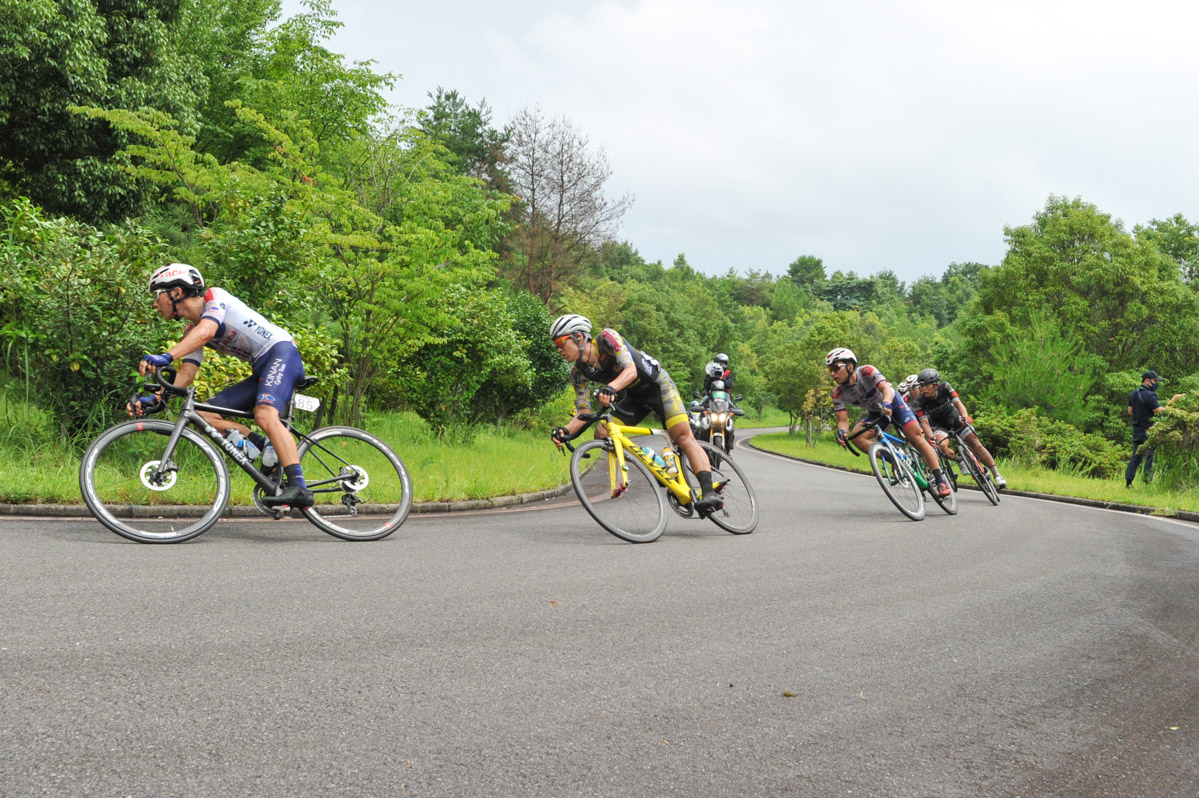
647	388
224	323
866	387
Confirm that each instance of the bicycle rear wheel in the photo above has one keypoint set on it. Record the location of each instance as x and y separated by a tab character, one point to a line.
897	481
630	507
362	488
740	512
980	475
128	492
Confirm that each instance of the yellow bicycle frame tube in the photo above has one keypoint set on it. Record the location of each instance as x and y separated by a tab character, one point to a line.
620	435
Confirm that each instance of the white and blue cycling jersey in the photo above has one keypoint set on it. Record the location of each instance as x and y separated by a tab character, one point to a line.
241	332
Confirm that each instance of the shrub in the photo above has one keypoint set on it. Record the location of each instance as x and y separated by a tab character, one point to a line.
75	317
1029	437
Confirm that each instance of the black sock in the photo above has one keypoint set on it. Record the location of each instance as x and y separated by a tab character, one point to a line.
295	476
258	439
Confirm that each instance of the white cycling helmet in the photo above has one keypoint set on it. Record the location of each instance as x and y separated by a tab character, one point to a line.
177	274
714	369
570	324
840	354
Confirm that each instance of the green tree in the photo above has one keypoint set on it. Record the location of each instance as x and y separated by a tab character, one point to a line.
1176	238
529	384
477	148
74	313
109	53
807	272
1119	296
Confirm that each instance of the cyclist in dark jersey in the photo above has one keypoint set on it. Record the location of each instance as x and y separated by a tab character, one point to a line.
867	388
941	413
610	360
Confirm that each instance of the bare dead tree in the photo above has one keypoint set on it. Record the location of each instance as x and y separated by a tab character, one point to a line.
560	180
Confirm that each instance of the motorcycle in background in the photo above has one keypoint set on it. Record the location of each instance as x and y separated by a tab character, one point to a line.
712	419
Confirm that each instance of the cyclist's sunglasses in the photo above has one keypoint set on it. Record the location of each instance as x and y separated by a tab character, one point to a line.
558	341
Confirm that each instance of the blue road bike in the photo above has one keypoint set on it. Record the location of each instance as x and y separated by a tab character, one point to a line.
902	474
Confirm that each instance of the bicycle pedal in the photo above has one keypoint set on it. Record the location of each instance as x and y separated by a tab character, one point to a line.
282	511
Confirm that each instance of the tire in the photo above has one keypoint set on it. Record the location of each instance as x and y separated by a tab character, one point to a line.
897	481
949	503
715	450
740	512
362	489
115	479
638	514
980	475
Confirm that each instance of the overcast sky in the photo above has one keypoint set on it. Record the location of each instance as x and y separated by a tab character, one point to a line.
873	135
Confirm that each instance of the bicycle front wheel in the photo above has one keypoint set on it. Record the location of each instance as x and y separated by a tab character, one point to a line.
980	475
362	488
129	490
628	504
897	481
740	512
947	503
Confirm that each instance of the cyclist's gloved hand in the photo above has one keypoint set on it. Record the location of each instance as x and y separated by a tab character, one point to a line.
607	391
145	405
559	435
887	408
843	438
158	361
968	420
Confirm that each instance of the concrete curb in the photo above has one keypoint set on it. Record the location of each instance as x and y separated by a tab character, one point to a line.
249	511
1138	509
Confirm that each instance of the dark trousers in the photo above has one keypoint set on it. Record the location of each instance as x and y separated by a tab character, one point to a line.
1148	454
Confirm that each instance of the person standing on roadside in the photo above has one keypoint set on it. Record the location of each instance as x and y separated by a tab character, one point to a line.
1142	404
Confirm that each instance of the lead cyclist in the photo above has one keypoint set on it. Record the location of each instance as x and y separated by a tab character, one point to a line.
220	321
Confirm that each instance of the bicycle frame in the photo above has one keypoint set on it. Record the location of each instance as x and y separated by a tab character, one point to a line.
620	436
901	448
189	415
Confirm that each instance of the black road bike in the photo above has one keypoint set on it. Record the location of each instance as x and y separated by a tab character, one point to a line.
159	481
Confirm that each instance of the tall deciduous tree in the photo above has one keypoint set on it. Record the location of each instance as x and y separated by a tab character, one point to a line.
107	53
1119	295
560	181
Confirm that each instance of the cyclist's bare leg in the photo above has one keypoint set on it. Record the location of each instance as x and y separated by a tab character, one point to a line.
681	434
224	424
927	452
941	439
267	418
979	450
863	441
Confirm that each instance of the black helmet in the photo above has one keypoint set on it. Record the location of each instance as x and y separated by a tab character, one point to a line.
928	377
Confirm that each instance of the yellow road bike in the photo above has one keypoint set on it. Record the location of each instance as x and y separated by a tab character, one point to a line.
626	488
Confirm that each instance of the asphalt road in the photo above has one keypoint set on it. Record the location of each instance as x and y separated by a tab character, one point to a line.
1029	649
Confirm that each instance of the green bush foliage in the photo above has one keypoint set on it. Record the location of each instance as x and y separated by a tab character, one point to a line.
75	317
1029	437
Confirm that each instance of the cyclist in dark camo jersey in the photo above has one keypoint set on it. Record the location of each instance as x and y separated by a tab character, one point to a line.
941	413
867	388
609	359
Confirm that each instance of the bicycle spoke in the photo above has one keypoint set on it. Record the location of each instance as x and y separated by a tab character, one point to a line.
362	488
